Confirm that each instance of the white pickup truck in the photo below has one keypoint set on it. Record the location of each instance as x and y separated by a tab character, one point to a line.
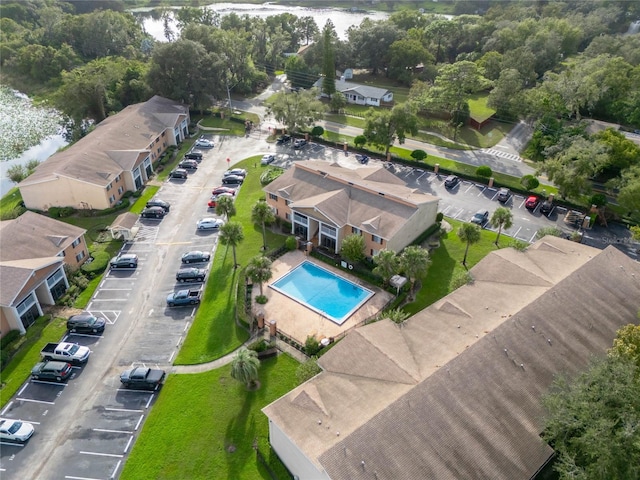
66	352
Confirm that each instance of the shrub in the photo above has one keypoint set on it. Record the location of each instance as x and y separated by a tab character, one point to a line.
419	155
261	299
529	182
359	141
308	369
317	131
459	279
484	171
555	231
599	200
439	217
311	346
518	245
259	345
10	337
291	243
98	264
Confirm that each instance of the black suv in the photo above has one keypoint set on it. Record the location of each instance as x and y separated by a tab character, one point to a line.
194	155
282	139
153	212
188	164
86	323
178	173
546	207
156	202
57	371
191	275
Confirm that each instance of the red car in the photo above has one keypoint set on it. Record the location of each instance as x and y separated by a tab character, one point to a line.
213	203
223	189
531	202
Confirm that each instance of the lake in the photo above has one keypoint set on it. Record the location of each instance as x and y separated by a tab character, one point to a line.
342	18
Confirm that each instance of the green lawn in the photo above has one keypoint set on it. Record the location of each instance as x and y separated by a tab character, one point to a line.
19	368
10	205
148	192
214	332
204	426
446	262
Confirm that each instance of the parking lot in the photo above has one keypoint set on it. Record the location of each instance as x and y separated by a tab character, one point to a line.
86	426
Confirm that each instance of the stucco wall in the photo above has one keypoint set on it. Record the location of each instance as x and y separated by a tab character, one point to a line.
414	227
297	463
64	192
70	253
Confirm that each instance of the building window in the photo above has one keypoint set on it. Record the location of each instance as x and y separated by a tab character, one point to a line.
287	216
327	230
61	254
158	140
117	179
120	190
273	197
112	198
287	202
300	218
108	187
356	231
76	242
80	256
376	239
158	150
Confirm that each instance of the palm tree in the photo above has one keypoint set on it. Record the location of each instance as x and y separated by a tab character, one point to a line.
225	207
231	234
501	218
387	264
259	270
261	213
415	262
469	233
244	367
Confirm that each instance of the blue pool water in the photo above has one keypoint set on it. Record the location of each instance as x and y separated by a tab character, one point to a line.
323	291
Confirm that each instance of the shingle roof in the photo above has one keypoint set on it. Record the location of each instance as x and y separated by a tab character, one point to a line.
118	143
366	91
32	235
18	277
455	393
370	198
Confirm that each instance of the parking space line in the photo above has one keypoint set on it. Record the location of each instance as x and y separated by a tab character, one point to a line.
22	389
123	409
111	431
517	231
35	401
533	237
7	407
110	300
80	478
113	474
128	444
149	401
481	191
116	289
171	356
84	335
49	383
102	454
470	187
139	422
14	444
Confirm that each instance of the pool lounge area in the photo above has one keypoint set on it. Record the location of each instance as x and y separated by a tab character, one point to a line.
322	291
299	320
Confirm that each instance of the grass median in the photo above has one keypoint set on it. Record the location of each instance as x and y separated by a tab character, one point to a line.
205	425
214	332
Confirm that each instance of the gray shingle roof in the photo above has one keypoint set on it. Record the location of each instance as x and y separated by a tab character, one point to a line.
32	235
455	393
366	91
118	143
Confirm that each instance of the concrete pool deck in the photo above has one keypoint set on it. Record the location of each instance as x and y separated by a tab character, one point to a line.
298	321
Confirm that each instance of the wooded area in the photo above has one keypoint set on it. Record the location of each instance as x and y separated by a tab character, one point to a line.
552	64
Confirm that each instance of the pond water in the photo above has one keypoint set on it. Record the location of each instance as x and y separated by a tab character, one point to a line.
29	132
342	18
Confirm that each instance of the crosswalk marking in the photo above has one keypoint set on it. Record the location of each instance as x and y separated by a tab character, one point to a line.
501	154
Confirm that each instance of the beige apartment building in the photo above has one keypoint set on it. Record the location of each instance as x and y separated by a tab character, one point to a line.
118	156
325	203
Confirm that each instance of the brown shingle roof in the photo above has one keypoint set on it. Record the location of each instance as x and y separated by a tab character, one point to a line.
474	408
18	277
32	235
118	143
370	198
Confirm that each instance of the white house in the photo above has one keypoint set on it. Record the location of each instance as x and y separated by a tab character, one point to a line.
360	94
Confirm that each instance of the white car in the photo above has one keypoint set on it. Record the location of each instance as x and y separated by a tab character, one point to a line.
15	430
210	223
204	143
267	159
238	172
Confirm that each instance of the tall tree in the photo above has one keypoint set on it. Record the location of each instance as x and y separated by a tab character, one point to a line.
414	261
627	343
370	42
244	367
592	422
387	264
297	110
307	29
468	233
259	270
384	126
231	234
328	60
225	207
352	248
501	218
262	214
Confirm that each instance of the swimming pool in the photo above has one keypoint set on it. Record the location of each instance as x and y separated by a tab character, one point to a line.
320	290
